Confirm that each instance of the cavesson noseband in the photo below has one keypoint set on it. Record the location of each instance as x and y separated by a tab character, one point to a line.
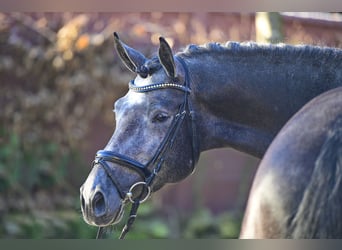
156	162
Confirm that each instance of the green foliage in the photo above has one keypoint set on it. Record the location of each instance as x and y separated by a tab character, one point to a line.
26	167
57	224
148	225
31	176
9	161
69	224
203	224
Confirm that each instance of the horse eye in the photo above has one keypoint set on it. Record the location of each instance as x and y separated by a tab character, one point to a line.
160	117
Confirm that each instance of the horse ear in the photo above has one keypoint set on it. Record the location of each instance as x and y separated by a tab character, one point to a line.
132	58
166	57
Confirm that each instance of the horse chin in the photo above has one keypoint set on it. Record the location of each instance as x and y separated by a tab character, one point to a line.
116	219
118	216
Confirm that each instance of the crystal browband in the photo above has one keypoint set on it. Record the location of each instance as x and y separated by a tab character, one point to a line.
158	86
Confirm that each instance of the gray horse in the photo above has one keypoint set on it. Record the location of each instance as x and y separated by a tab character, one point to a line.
235	95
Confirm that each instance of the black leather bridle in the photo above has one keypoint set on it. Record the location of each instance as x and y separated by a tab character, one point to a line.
156	162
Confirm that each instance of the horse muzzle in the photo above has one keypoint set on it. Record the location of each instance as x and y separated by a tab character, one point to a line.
101	203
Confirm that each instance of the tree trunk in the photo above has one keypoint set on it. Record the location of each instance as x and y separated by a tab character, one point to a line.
268	26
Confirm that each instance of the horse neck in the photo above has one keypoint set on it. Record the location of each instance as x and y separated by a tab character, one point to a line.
244	96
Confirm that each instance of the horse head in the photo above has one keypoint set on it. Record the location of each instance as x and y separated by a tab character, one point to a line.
154	141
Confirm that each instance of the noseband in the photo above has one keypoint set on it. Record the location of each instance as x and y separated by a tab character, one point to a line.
156	162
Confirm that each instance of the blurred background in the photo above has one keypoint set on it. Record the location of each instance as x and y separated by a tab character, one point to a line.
59	78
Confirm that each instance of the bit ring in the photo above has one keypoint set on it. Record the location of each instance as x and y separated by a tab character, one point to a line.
130	192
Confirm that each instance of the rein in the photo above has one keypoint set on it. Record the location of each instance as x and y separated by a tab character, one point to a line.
104	156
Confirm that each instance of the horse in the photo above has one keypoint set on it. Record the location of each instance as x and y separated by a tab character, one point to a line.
297	190
208	96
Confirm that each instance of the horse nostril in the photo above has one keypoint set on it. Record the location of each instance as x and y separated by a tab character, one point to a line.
99	205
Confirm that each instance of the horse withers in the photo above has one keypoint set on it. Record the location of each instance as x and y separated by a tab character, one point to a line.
235	95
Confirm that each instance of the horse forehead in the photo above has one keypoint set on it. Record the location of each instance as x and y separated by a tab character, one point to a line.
139	81
133	98
156	77
130	100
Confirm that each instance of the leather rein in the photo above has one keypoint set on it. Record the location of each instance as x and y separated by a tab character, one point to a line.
156	162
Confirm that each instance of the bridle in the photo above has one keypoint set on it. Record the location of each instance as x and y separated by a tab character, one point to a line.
104	156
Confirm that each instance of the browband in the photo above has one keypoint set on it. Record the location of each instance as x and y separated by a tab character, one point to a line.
157	86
